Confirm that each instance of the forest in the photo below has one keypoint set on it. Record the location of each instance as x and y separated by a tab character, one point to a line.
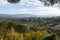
30	28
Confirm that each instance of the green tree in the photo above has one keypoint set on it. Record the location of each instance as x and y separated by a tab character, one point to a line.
13	1
20	28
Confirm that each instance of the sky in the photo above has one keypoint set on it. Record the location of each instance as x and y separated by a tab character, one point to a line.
34	7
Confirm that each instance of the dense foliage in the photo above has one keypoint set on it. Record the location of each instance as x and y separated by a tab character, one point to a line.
30	29
13	1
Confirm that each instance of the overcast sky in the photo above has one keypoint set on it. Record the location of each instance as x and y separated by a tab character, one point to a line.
28	7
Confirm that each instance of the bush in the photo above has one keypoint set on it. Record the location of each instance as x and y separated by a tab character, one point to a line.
20	28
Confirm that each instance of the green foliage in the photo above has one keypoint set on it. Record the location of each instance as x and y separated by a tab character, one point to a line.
17	31
20	28
13	1
50	2
52	37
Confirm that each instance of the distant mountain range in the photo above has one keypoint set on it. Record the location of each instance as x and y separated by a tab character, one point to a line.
22	15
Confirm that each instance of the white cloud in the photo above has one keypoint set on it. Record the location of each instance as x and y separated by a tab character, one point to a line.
38	10
31	3
3	2
34	12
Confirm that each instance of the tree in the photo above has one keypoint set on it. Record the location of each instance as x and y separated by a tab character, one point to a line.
20	28
13	1
52	37
46	2
50	2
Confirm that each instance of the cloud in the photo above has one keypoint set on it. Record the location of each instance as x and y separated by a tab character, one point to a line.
34	12
3	2
34	7
30	3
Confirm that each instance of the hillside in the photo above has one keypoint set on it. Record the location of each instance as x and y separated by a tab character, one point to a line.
30	28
